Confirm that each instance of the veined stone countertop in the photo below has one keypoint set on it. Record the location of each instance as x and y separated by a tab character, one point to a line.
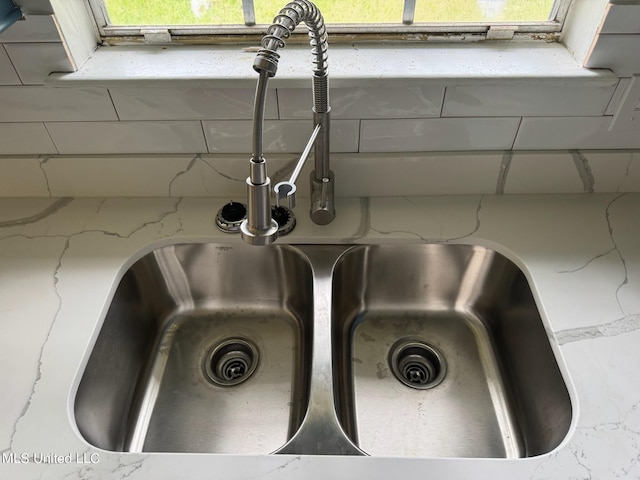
60	260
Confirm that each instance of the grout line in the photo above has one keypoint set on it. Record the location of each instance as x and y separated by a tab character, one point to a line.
515	137
615	101
114	105
444	97
13	65
51	137
610	107
204	133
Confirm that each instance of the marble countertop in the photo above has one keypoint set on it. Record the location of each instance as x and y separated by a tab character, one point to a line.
60	260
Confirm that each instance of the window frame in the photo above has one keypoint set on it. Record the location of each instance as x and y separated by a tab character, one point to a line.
547	31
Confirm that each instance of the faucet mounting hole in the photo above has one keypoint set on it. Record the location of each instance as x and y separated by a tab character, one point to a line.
230	216
284	218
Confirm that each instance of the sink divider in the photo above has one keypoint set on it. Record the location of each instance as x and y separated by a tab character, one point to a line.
320	432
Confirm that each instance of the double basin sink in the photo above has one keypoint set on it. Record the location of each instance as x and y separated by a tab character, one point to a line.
430	350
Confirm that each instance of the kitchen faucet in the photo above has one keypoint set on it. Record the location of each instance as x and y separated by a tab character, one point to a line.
259	228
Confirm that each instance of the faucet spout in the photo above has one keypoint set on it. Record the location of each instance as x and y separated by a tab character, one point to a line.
259	229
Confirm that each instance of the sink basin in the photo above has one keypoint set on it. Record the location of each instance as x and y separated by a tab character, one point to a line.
440	351
429	350
205	348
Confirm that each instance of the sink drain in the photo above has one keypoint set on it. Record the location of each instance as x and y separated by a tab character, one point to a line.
417	364
231	362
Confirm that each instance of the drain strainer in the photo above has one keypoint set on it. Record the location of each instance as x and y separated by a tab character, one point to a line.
231	362
417	364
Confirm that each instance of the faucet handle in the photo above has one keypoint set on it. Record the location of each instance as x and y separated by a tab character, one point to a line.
285	190
288	189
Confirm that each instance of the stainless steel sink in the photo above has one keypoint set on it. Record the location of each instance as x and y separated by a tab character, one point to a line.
205	348
413	350
440	351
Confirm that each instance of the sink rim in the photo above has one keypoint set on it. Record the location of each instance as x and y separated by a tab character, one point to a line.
299	247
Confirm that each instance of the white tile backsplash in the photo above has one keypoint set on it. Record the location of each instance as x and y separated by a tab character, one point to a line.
8	75
25	138
364	174
158	103
622	19
43	104
539	133
543	173
614	103
286	136
529	100
34	28
127	137
124	176
618	52
224	175
615	171
22	177
416	174
400	132
35	61
447	134
361	103
35	7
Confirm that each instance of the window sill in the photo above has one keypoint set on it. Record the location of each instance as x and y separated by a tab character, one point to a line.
349	66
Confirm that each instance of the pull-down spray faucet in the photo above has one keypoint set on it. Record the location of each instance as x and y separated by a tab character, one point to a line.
259	228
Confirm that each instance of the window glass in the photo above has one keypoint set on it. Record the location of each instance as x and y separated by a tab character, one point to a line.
230	12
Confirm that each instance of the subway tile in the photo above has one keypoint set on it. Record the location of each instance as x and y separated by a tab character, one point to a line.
25	138
34	28
621	19
35	7
286	136
526	100
615	171
417	174
22	177
618	95
127	137
34	103
545	172
173	103
86	176
35	61
358	103
224	175
549	133
446	134
173	175
619	52
8	75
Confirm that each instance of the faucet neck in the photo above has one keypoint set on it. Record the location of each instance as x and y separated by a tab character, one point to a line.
259	106
259	228
266	64
283	25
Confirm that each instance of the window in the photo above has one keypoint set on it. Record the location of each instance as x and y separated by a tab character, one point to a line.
201	21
